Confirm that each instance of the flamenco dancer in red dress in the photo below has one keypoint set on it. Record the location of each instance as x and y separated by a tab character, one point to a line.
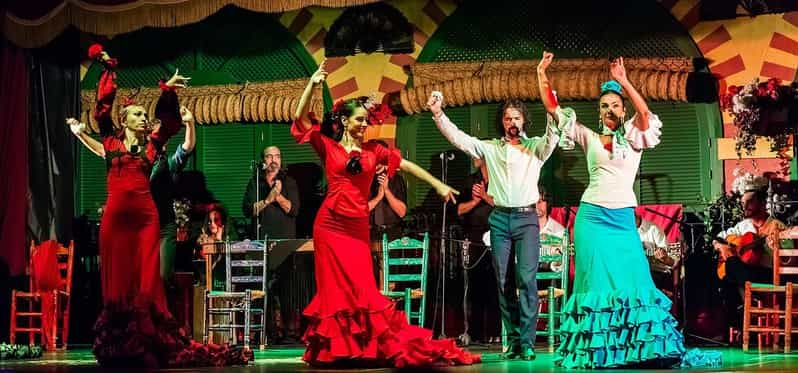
351	323
135	327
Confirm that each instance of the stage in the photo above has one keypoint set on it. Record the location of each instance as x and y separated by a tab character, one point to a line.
287	359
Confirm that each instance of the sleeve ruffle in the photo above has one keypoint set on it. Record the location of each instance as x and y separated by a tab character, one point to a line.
566	120
300	133
394	160
647	139
167	110
106	93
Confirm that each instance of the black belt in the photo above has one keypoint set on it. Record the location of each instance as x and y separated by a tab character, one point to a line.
522	209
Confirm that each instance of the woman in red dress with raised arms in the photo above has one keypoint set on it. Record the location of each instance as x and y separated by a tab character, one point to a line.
135	327
351	322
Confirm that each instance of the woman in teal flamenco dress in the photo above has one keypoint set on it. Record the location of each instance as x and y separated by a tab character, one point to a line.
616	317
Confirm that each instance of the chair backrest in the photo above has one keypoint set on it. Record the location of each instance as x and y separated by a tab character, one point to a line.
556	251
64	258
785	248
404	260
245	265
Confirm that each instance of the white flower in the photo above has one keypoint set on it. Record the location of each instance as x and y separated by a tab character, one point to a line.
747	181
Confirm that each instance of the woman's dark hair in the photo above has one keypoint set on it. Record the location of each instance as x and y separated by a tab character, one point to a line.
511	104
222	214
331	126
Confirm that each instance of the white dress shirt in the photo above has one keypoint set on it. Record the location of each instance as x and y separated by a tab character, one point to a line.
513	171
611	178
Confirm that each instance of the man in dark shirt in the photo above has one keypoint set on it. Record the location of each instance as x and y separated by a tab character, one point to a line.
474	208
278	206
388	206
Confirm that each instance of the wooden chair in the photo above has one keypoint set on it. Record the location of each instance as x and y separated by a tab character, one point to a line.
408	268
772	319
33	299
555	293
245	281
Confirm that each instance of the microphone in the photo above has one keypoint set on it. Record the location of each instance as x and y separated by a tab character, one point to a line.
448	154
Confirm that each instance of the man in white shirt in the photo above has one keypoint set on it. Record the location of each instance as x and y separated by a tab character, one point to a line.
655	245
513	164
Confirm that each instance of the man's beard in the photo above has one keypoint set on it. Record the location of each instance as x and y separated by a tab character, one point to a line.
513	131
273	167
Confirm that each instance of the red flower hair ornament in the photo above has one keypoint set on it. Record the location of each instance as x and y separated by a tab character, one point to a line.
377	113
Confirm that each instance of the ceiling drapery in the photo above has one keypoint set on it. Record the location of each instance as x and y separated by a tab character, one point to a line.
31	24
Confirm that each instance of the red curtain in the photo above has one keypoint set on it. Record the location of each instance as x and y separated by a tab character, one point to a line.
667	217
13	156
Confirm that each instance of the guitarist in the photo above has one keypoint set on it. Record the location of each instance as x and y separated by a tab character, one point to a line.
759	253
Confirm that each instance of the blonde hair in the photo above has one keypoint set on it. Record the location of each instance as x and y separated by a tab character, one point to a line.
124	111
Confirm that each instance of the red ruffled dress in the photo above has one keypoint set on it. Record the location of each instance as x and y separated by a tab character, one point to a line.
135	327
351	322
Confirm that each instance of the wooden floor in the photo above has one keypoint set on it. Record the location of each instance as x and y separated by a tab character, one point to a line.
287	359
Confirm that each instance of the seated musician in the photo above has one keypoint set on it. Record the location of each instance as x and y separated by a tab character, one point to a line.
661	262
551	231
746	249
212	241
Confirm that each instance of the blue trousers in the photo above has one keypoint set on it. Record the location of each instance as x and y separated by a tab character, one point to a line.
517	233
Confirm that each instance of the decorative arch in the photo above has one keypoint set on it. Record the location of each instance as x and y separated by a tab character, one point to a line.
740	49
368	29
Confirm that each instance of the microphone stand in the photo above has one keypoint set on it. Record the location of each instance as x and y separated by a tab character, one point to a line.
445	158
465	338
256	216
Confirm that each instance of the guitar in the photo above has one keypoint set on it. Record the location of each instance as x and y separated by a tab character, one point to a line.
748	246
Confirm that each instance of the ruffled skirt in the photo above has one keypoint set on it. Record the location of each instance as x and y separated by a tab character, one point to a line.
136	334
351	322
616	316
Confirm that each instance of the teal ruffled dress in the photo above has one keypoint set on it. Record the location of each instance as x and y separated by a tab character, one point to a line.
616	316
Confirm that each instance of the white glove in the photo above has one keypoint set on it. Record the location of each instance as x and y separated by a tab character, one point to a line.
76	127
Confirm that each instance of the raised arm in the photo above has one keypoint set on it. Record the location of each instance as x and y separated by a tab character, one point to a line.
618	72
547	95
469	144
79	130
168	110
303	108
188	121
446	192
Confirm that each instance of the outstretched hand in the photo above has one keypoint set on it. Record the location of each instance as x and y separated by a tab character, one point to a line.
75	126
545	61
617	70
447	193
321	74
178	80
435	103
